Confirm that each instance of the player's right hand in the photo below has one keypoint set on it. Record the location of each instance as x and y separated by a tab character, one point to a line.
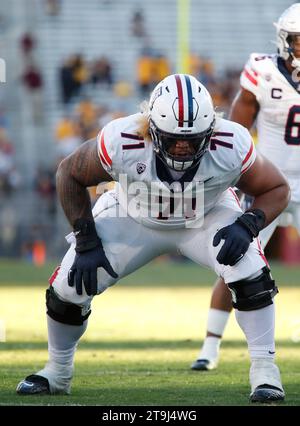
84	269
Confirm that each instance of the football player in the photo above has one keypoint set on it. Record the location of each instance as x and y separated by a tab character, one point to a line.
175	150
269	95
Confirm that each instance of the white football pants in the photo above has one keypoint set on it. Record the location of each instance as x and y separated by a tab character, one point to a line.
129	245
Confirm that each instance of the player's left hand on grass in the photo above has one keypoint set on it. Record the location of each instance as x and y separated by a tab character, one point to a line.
89	257
238	237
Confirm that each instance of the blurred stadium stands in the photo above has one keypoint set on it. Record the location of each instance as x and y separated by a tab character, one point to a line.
73	65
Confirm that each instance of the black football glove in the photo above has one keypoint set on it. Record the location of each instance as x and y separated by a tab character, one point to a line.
90	255
238	236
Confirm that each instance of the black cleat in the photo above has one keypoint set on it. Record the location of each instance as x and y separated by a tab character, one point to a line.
266	394
33	385
203	365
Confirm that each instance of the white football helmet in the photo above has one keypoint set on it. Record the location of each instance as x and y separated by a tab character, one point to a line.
181	108
288	24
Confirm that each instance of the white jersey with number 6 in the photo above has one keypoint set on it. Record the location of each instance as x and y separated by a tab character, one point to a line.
278	120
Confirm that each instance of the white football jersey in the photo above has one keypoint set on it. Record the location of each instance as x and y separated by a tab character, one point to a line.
278	120
143	181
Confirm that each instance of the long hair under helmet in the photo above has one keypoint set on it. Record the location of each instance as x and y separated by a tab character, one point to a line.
180	108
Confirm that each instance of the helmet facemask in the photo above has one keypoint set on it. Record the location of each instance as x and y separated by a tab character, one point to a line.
295	60
286	50
163	142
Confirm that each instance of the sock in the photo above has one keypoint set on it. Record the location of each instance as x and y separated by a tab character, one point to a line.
216	321
62	343
258	327
210	348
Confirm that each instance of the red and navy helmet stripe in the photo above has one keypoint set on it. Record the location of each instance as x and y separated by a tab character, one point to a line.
190	100
180	101
185	101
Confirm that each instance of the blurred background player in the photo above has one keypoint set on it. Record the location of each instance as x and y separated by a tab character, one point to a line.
269	95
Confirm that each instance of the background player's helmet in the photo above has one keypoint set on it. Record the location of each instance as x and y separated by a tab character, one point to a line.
181	108
288	24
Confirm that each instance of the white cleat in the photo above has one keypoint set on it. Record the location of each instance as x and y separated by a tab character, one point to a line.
265	382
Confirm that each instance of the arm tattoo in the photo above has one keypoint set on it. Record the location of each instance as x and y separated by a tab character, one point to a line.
75	173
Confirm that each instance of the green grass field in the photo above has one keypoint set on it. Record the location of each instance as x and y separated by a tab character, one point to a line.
143	335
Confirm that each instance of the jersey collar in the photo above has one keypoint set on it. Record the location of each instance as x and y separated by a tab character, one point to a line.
165	176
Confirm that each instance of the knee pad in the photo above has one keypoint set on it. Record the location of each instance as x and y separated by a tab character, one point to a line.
256	293
64	312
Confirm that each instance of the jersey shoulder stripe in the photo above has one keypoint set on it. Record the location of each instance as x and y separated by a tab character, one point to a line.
250	77
258	68
248	154
249	158
116	138
103	154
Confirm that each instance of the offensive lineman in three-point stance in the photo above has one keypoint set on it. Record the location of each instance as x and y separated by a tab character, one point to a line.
176	145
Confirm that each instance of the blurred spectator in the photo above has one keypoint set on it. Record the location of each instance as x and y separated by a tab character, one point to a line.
52	7
101	72
138	24
145	71
8	229
152	67
195	65
79	72
67	137
45	187
72	75
32	78
8	175
86	115
230	83
207	72
27	43
33	82
123	90
161	68
67	82
33	244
